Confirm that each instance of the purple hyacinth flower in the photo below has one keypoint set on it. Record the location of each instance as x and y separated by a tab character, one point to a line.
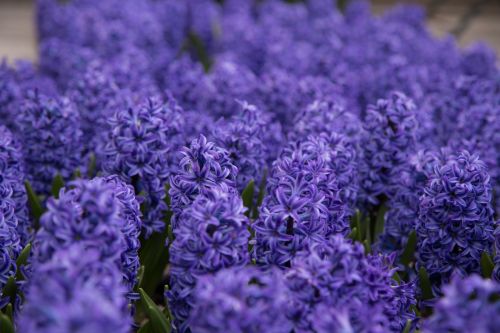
456	221
389	137
244	138
77	290
203	167
49	131
337	277
311	192
141	150
468	305
240	300
102	214
211	234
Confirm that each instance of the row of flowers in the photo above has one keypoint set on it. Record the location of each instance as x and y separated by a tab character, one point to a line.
241	166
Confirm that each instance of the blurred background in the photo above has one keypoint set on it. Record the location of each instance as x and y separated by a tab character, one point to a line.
468	20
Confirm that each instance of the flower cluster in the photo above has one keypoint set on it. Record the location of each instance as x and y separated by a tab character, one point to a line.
455	218
95	95
203	167
13	198
240	300
244	138
360	133
52	126
390	130
211	234
141	149
101	214
309	191
13	214
9	92
338	275
76	290
468	305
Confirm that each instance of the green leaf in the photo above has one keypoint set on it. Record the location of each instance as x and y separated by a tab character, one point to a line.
34	203
396	277
367	246
10	289
154	256
379	224
140	275
425	284
260	195
6	325
247	196
22	260
57	184
146	328
92	166
407	326
354	235
159	322
409	252
487	265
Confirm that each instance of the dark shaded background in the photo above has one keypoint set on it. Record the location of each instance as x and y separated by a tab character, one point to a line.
468	20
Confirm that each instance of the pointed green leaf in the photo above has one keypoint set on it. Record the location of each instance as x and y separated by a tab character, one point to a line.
354	234
379	224
396	277
57	184
158	320
367	246
407	326
140	275
6	325
247	196
409	252
9	312
355	219
260	195
166	310
487	265
92	166
153	255
22	260
425	284
146	328
34	203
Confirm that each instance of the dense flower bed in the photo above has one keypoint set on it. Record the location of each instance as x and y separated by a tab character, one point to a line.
248	166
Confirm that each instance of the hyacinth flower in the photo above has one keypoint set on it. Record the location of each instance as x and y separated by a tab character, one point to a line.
11	219
49	131
186	80
470	304
456	222
330	282
311	193
77	290
141	149
9	92
203	167
12	186
102	214
211	234
240	300
95	94
227	83
401	217
389	137
324	117
244	138
277	93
